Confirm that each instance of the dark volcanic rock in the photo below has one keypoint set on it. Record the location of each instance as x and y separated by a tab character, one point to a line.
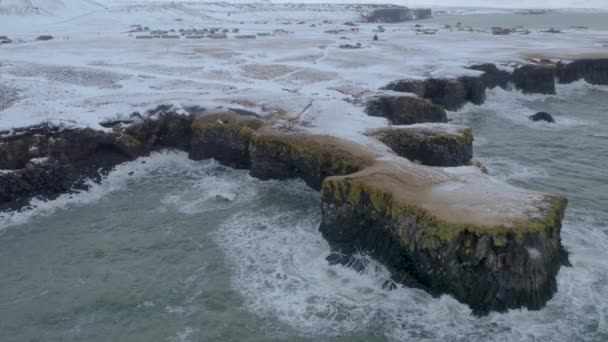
489	270
308	157
225	137
594	71
430	227
539	79
493	77
542	116
404	110
430	144
49	160
475	88
452	94
60	160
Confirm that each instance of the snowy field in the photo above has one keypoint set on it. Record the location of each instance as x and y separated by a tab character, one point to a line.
94	69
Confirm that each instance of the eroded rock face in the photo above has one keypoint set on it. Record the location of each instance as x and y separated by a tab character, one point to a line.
535	79
404	110
493	77
225	137
309	157
444	230
475	88
49	160
491	267
594	71
430	144
451	94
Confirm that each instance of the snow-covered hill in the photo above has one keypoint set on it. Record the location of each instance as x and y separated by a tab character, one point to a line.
512	4
46	7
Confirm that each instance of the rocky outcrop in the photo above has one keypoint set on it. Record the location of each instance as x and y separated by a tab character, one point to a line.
492	76
225	137
430	144
542	116
404	110
447	238
535	79
445	230
309	157
454	93
593	71
48	160
451	94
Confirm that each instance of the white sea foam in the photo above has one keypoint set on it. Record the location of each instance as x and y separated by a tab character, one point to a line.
507	169
577	88
118	179
279	266
516	107
277	259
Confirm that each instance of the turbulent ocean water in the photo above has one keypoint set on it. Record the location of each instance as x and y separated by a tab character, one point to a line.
168	249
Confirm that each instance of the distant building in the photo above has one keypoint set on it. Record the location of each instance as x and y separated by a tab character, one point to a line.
45	37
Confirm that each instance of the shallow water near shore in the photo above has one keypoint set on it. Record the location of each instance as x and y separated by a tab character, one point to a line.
192	251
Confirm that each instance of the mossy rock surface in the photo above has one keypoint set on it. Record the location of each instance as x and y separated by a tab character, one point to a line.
404	110
310	157
429	144
490	245
225	137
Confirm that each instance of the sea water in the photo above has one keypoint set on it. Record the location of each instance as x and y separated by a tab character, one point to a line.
169	249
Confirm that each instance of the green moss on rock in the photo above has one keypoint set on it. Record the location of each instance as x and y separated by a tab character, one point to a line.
225	137
430	144
405	110
442	242
392	200
310	157
129	145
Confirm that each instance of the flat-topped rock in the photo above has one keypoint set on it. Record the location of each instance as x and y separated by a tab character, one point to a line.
593	71
452	94
432	144
309	157
225	137
535	79
493	77
404	109
457	231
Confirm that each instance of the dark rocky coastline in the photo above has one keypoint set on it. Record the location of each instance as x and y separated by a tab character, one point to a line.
367	205
453	94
